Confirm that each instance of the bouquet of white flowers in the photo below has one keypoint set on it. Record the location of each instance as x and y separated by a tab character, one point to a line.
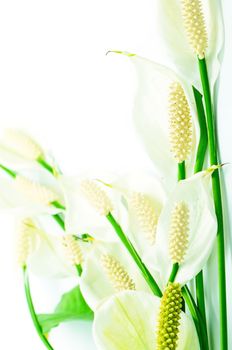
140	245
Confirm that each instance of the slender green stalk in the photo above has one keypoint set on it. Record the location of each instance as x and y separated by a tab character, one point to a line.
199	163
213	151
196	318
59	220
174	271
32	310
128	245
58	205
45	165
181	171
8	171
79	269
203	141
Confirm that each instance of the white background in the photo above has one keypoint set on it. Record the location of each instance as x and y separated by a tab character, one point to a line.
57	83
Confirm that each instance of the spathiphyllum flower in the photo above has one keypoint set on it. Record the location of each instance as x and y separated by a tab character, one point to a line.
186	230
87	203
143	196
30	190
22	144
27	238
140	321
41	252
35	191
165	118
191	29
108	270
73	250
19	149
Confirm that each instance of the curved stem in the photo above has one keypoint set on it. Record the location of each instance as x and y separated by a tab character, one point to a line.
46	165
10	172
32	310
213	151
201	151
128	245
203	141
174	271
196	317
59	220
198	321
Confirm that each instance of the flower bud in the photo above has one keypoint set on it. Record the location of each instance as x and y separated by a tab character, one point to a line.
96	197
169	318
21	143
194	23
35	191
73	250
146	215
25	246
118	276
179	232
180	123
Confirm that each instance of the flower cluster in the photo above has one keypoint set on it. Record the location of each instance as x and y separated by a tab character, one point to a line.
134	243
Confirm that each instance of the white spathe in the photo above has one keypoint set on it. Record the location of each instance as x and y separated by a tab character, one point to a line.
151	117
196	192
95	283
170	29
128	321
145	184
80	216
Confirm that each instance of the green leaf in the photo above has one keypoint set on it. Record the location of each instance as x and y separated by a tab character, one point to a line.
71	307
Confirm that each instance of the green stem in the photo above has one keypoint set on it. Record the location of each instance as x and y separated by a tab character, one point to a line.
8	171
196	317
174	271
59	220
199	163
213	151
79	269
200	326
181	171
203	141
58	205
45	165
128	245
32	310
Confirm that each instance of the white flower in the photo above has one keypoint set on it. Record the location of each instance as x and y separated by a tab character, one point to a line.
180	35
186	230
18	149
42	253
87	215
33	190
130	320
165	118
143	196
109	269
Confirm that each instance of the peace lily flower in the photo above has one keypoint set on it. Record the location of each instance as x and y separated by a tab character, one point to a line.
46	255
140	321
32	190
19	150
144	197
165	118
108	270
80	216
186	230
185	38
185	233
